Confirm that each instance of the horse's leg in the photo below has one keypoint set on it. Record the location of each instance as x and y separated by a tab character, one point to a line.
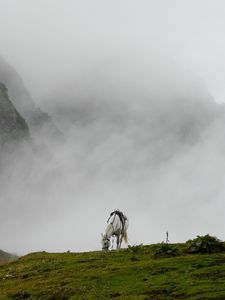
121	239
118	241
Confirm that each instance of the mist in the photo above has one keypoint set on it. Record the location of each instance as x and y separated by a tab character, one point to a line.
141	123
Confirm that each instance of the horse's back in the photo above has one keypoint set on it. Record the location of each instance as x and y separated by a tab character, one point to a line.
117	224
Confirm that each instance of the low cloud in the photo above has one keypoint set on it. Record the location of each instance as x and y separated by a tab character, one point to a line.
154	151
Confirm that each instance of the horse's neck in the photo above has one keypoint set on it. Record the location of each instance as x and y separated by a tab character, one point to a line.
114	225
109	231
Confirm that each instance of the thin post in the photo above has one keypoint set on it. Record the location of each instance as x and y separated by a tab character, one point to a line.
167	237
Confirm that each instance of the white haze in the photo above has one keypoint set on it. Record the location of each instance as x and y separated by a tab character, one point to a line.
142	132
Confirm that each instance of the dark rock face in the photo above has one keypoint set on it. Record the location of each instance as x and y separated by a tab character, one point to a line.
38	121
16	89
13	126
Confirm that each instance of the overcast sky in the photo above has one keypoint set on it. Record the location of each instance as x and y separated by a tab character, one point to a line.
56	37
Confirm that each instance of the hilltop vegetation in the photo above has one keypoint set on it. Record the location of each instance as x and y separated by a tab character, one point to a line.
163	271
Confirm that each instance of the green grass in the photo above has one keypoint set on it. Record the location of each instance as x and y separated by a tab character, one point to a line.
134	273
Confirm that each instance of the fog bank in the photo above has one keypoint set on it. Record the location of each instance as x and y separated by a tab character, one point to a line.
133	87
150	146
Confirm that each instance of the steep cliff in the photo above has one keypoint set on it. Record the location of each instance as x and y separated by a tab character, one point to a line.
38	121
12	125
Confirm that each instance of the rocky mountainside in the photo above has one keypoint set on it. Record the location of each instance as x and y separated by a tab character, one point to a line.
12	125
37	120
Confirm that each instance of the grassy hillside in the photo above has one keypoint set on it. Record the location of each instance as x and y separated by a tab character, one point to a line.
139	272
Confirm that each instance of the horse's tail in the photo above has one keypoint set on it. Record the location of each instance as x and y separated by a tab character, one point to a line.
125	237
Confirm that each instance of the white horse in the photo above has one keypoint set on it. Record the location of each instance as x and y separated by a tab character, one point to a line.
115	228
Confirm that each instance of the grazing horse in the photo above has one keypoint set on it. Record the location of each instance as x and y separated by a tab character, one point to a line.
117	226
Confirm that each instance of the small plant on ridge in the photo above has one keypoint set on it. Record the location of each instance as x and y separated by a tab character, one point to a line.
205	244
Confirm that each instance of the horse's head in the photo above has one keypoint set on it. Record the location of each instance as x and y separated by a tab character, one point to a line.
105	243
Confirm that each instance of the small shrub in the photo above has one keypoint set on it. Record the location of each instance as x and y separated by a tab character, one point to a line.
135	248
165	250
205	244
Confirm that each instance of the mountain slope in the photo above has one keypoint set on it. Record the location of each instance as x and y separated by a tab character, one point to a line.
12	124
133	273
38	121
6	257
